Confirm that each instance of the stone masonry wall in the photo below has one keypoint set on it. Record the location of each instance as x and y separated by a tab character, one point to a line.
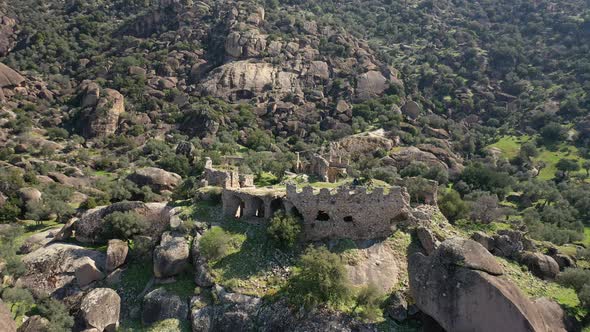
353	214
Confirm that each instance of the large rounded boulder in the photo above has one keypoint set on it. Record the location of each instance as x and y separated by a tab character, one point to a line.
171	256
460	285
156	178
100	309
159	305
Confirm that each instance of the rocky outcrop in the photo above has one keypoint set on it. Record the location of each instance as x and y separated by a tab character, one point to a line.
156	178
371	84
6	322
103	108
405	156
37	241
51	270
237	312
87	273
100	310
461	286
9	77
541	265
427	239
29	195
171	256
159	305
91	226
116	254
7	34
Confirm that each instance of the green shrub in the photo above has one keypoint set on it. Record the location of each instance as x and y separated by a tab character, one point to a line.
320	279
124	225
57	314
368	303
452	206
215	243
284	229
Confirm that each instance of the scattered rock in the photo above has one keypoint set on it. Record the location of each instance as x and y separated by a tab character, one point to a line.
51	270
116	254
427	239
411	109
542	266
30	195
171	256
397	307
88	273
555	317
485	240
159	305
156	178
100	309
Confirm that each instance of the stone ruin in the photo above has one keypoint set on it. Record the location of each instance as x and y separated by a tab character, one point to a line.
327	170
351	213
225	178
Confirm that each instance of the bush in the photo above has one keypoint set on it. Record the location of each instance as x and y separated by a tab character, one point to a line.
320	278
124	225
20	300
57	314
284	229
574	278
215	243
452	206
368	301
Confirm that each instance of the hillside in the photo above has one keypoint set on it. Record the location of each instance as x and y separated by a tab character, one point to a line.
294	165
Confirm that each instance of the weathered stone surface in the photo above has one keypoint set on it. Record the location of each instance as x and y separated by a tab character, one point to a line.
103	109
6	322
156	178
159	305
458	285
88	273
37	241
7	34
353	214
51	270
542	266
411	109
100	309
427	239
116	254
9	77
171	256
555	317
405	156
202	276
379	265
397	307
91	229
30	195
235	312
34	324
485	240
371	84
363	144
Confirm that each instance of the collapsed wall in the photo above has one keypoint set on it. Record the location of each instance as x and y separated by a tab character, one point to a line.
349	213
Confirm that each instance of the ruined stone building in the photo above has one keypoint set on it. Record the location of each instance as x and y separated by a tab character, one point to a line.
225	178
346	213
326	170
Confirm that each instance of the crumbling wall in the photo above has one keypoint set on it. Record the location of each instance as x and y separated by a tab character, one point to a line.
354	214
251	203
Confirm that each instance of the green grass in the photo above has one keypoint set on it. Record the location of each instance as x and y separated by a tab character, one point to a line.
535	287
587	237
510	147
31	228
251	266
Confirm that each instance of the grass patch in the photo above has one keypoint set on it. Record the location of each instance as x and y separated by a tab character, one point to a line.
510	147
184	286
31	228
254	266
535	287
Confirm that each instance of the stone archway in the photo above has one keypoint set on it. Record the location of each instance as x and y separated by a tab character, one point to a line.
233	205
